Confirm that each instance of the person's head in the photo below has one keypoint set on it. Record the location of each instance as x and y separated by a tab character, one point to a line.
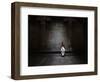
62	44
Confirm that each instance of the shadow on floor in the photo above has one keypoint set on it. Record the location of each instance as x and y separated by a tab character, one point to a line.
56	59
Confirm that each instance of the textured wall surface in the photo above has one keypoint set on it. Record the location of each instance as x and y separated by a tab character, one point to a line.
47	33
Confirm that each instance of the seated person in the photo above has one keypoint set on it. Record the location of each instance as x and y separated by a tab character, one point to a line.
62	50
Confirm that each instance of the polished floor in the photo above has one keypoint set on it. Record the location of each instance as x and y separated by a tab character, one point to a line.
56	59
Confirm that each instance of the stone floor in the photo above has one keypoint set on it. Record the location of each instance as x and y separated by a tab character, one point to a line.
56	59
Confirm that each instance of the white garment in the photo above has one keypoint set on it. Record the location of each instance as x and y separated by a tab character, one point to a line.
62	51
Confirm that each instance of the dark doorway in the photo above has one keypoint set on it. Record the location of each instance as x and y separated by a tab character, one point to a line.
46	34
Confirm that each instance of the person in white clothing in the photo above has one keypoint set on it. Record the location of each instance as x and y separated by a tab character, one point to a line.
62	50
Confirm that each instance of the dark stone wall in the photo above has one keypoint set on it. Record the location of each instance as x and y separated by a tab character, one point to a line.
47	33
79	36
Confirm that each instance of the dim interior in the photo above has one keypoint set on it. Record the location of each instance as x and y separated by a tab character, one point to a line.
47	34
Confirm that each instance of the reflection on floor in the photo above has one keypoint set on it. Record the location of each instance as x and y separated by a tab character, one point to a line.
56	59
